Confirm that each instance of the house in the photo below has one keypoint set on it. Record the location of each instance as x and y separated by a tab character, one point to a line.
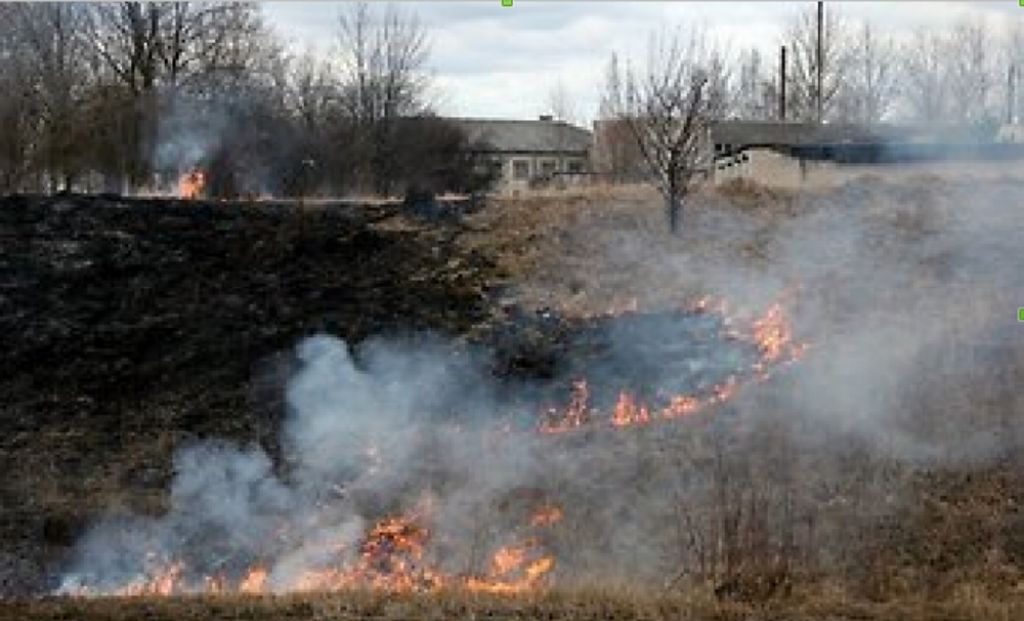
523	153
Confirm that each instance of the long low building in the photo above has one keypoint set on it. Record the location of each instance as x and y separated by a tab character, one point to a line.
523	153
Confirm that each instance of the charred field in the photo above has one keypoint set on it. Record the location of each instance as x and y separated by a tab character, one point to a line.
804	407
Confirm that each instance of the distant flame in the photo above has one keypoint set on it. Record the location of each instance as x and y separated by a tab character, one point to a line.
191	184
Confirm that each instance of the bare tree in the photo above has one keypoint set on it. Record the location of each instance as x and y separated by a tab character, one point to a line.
754	97
924	87
17	102
153	53
1013	62
669	108
55	37
145	45
971	73
802	41
383	58
872	77
615	151
560	104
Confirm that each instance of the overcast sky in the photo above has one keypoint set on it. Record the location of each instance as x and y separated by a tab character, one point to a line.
491	61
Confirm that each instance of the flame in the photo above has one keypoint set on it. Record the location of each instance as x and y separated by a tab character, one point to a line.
394	554
254	582
191	184
546	515
514	569
164	581
771	334
392	557
576	414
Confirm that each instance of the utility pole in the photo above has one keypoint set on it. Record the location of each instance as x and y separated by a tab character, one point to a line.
820	55
782	83
1011	95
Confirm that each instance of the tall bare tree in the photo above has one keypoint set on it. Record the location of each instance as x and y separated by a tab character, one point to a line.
872	79
560	103
615	151
18	115
669	107
152	53
924	87
971	72
383	60
754	97
802	42
1013	68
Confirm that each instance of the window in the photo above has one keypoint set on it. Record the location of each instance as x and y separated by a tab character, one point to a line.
547	168
520	169
575	166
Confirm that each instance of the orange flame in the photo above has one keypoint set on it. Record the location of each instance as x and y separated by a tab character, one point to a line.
771	334
191	184
547	515
254	582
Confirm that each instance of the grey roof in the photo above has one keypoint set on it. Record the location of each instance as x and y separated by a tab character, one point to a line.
774	133
526	136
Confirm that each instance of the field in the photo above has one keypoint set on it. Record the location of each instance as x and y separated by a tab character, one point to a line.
878	476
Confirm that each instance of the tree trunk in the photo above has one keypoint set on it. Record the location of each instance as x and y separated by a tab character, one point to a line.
674	210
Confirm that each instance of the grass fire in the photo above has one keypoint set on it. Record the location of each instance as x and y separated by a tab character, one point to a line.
300	334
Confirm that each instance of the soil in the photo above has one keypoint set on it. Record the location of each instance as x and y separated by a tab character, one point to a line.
132	325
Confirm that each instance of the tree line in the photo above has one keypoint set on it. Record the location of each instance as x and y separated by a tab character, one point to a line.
128	96
963	75
662	108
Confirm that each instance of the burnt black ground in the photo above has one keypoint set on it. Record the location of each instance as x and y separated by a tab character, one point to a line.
131	326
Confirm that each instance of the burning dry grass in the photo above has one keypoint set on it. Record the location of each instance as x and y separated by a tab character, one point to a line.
917	259
761	508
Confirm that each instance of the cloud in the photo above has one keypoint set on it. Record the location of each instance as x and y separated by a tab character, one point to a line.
499	62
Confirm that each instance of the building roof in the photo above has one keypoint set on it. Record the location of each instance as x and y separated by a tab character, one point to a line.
775	133
526	136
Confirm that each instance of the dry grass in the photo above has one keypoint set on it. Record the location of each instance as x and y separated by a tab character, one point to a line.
922	544
599	248
572	605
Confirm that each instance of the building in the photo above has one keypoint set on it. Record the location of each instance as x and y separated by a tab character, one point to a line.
525	153
795	153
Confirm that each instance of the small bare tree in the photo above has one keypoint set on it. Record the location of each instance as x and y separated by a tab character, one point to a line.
669	108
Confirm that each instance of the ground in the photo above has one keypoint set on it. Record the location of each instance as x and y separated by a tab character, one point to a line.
849	495
135	326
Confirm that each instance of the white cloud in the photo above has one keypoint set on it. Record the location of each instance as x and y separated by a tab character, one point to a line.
500	62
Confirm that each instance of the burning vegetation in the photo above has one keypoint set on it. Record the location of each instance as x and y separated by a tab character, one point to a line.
770	335
657	445
402	552
192	184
